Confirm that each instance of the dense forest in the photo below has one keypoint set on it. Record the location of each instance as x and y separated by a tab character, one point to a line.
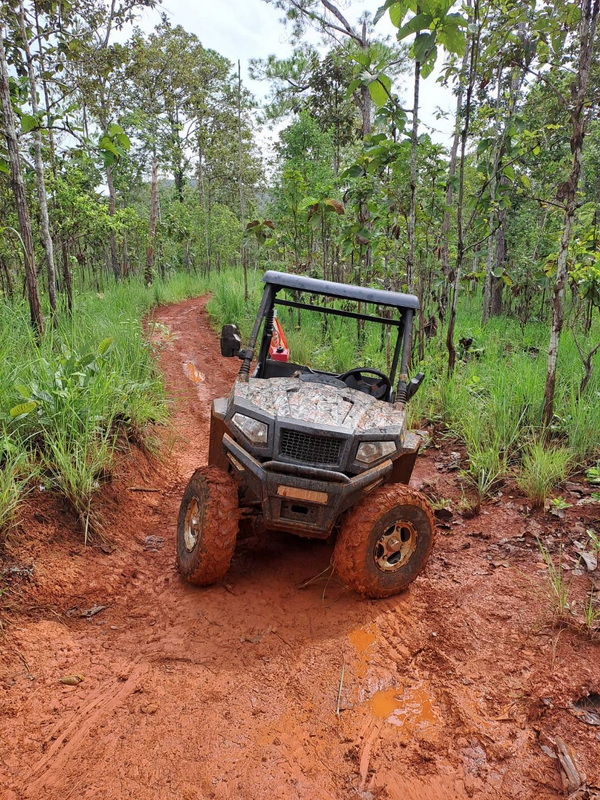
132	172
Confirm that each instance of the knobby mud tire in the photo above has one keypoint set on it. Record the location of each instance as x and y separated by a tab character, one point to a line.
354	554
217	496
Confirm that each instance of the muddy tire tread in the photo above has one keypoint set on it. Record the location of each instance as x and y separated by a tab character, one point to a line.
349	553
221	526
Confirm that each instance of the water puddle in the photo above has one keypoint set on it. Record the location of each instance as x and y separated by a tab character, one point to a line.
410	709
193	373
361	639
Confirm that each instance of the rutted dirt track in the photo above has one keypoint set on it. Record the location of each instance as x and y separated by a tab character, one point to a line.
454	689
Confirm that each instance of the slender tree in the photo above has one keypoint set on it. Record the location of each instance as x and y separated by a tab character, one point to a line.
18	188
590	10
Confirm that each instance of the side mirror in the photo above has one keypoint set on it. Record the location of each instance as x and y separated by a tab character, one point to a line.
231	341
414	384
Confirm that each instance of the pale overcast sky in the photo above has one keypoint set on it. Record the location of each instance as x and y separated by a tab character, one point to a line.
245	29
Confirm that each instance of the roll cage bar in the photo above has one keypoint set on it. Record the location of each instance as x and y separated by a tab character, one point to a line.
404	304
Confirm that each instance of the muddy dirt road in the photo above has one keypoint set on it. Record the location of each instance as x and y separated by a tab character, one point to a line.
255	688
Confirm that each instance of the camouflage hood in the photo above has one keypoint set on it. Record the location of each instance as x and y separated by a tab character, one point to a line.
319	404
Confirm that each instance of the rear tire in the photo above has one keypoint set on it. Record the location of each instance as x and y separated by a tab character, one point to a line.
207	526
385	541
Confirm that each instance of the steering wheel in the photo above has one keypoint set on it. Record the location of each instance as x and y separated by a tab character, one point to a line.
354	380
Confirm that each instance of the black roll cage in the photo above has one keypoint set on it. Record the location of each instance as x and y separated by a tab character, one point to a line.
405	304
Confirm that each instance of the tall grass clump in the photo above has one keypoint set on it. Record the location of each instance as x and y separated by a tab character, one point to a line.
543	468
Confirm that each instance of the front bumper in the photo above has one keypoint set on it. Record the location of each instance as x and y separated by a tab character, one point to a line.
301	499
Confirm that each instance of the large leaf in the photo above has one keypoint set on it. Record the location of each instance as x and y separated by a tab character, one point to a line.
108	145
380	90
307	202
355	171
429	63
334	205
525	181
23	409
397	13
423	45
452	38
414	25
28	123
105	345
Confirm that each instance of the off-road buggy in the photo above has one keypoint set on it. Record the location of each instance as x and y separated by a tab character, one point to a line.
313	452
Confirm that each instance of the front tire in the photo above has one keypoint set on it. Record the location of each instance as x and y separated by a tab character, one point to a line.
207	526
385	541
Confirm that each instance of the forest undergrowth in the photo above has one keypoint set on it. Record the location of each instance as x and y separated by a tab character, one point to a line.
92	386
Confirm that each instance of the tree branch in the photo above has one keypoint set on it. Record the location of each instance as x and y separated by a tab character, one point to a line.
337	13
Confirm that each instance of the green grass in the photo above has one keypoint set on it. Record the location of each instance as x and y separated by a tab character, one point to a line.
91	383
543	468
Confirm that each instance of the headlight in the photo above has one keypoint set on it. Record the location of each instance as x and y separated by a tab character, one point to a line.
373	451
254	430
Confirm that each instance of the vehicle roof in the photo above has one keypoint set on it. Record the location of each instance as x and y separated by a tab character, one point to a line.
347	291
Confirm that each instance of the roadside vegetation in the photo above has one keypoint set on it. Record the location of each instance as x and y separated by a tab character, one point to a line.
87	389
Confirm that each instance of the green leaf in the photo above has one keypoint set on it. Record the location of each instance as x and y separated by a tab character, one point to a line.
525	181
107	144
23	390
452	39
28	123
397	13
380	90
355	171
415	25
104	346
23	409
307	202
423	45
485	144
382	9
429	63
509	172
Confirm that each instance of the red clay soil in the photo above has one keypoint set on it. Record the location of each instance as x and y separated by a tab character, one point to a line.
256	688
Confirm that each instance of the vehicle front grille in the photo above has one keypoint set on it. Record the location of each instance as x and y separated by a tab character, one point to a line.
310	449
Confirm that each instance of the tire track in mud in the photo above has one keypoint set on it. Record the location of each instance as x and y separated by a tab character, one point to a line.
68	735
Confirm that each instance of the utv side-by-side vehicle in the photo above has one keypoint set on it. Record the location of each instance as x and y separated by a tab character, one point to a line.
313	452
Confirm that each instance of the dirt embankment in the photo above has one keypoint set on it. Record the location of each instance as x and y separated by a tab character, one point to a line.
255	688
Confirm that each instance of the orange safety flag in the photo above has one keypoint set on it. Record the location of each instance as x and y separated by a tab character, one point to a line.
278	349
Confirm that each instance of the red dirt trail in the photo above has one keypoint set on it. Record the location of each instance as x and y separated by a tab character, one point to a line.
454	689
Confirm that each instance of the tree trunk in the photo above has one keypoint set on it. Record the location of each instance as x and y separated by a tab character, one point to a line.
18	188
568	190
39	169
149	269
112	208
205	213
412	217
244	254
473	55
445	246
